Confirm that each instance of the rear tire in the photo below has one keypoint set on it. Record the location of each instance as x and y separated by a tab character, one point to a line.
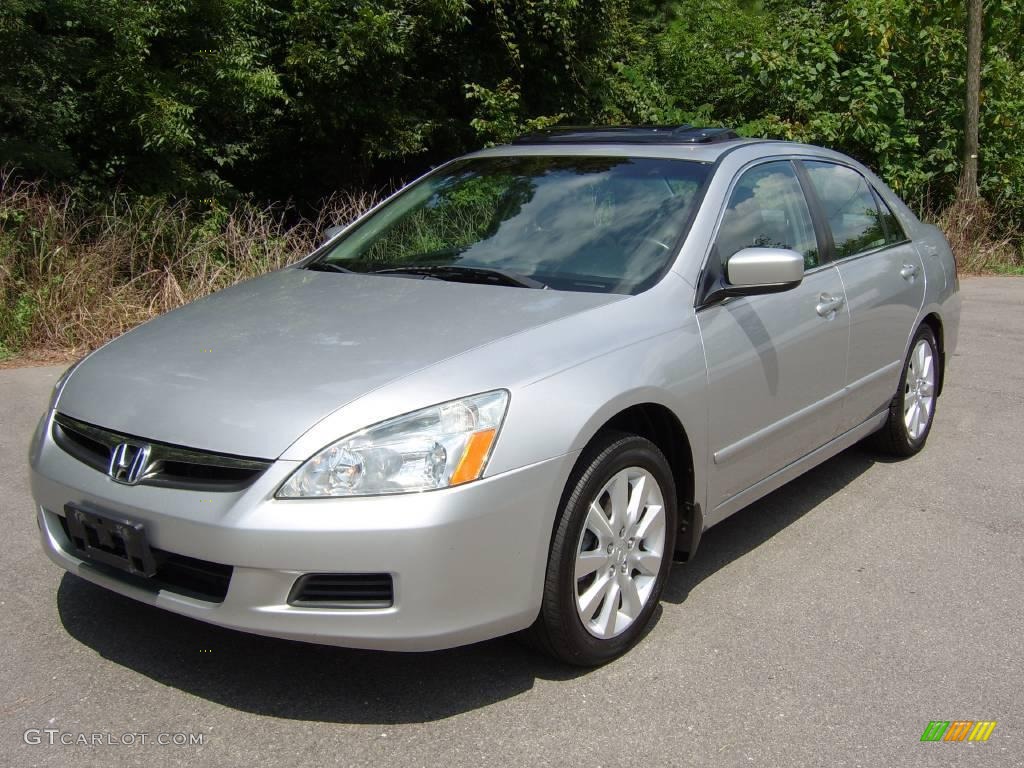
912	410
610	552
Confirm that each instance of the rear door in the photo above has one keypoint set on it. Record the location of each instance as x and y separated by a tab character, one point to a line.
884	282
776	362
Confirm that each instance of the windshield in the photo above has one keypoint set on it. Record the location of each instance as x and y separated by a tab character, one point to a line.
582	223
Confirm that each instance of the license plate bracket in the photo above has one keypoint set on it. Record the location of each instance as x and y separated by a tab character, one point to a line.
113	541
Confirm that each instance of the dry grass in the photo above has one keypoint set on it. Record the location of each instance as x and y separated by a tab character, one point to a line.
71	278
980	240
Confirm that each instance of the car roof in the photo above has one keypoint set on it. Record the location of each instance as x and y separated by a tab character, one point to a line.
685	142
706	153
629	134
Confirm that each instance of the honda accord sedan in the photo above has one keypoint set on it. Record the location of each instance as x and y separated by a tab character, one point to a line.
506	399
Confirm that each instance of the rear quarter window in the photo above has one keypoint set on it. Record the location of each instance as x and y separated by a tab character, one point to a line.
894	232
850	206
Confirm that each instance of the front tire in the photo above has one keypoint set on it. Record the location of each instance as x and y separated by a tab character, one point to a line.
912	410
610	553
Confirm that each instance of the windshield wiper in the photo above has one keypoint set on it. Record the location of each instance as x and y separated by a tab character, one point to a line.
466	274
327	266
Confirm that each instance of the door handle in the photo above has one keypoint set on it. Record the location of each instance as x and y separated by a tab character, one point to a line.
909	271
828	305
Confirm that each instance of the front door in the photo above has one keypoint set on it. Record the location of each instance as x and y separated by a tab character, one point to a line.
776	362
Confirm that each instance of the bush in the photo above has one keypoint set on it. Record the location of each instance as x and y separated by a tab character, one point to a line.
980	240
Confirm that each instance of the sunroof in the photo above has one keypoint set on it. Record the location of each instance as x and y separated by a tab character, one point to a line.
647	134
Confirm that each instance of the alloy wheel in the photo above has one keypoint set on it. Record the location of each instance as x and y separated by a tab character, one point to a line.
620	552
919	390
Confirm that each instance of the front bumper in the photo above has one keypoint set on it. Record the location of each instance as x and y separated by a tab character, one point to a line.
467	563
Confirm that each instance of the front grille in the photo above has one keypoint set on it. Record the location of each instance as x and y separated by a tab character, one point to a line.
182	574
343	590
169	465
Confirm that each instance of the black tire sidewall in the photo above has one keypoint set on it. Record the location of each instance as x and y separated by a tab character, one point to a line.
626	451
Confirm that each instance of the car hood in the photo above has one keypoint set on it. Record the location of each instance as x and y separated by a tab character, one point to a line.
246	371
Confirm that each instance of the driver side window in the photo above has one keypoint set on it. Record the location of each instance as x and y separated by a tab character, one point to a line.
767	209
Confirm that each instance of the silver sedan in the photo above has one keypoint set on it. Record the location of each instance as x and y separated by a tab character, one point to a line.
506	399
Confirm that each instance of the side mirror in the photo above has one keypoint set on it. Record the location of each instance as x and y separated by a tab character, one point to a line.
331	232
754	271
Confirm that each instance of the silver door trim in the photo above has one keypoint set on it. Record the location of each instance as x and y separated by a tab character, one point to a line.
744	445
882	372
795	469
730	452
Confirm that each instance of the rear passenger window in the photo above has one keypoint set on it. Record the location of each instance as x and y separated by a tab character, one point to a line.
893	229
850	208
767	209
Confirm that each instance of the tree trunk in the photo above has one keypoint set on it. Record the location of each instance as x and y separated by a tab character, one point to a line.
969	181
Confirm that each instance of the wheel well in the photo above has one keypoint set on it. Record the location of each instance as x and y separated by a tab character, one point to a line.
935	323
659	425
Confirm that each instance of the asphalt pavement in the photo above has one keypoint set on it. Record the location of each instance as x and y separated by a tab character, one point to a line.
825	625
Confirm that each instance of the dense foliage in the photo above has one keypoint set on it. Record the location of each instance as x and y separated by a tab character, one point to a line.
296	98
188	116
283	98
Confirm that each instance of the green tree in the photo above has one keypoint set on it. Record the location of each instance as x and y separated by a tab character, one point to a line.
161	97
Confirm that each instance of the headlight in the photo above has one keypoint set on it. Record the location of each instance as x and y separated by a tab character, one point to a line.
437	447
